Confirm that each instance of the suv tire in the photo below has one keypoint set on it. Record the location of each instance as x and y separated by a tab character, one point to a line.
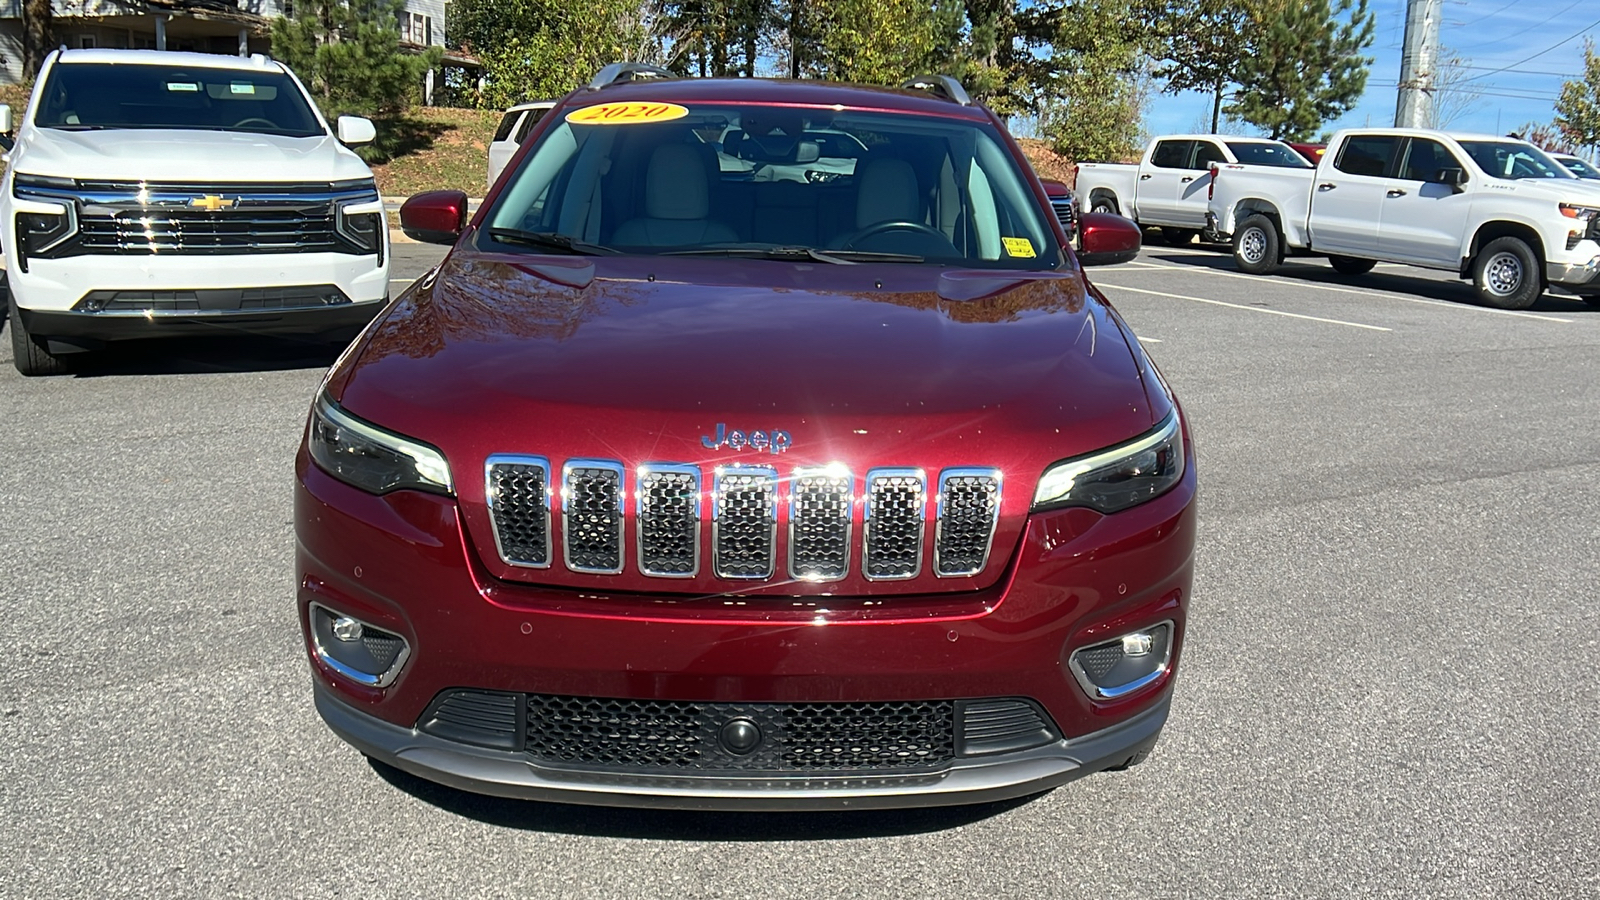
28	353
1506	274
1350	265
1257	246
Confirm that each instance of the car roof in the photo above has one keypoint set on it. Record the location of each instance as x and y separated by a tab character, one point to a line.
531	104
171	58
777	90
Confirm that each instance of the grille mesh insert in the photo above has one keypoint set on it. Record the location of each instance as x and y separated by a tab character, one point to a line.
645	735
893	539
820	507
591	522
969	506
745	527
669	521
519	504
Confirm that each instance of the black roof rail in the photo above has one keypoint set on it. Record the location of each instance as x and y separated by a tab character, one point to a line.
626	71
942	85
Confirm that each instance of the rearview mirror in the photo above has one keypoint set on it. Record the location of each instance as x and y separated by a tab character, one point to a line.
5	118
1108	239
356	130
435	217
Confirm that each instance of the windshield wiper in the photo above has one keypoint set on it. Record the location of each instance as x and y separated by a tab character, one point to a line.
551	240
834	257
80	127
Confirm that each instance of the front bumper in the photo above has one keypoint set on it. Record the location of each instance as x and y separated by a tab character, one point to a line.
70	330
975	780
1576	276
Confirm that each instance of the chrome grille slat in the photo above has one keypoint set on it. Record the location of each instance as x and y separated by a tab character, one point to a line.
969	510
744	522
517	489
893	522
591	515
668	513
821	506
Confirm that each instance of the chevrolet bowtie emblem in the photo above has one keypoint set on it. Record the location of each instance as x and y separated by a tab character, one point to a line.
211	202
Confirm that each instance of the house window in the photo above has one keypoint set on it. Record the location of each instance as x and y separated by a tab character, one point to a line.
85	42
416	28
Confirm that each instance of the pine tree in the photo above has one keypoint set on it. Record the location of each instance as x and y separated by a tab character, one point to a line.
1305	65
1202	45
348	54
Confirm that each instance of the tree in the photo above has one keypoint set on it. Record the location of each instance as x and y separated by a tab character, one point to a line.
1202	45
1089	87
38	32
1578	107
544	48
882	41
718	38
1305	66
348	54
1454	92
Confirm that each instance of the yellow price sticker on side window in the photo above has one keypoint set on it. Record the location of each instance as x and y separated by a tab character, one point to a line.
1022	248
627	113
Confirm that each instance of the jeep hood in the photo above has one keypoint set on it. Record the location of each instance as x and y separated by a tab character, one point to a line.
132	154
643	360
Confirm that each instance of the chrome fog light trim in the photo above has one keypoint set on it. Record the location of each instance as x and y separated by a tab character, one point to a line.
1144	655
324	650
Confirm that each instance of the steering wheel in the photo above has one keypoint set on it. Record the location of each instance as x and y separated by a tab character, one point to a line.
893	225
255	120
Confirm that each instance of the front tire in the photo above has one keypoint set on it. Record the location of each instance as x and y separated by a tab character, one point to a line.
1257	246
1349	265
28	353
1506	274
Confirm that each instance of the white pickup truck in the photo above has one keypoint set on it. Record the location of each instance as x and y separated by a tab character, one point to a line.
154	193
1169	186
1496	210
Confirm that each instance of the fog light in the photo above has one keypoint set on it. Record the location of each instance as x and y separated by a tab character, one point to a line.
347	629
1114	669
354	649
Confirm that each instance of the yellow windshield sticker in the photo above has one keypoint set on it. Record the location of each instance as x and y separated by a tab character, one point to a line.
627	113
1021	248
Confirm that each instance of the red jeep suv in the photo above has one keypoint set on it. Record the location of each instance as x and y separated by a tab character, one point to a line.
759	444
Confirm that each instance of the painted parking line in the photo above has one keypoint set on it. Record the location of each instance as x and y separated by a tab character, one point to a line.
1145	340
1258	309
1389	295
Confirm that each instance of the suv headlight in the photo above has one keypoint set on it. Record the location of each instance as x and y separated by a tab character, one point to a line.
363	455
364	230
1119	477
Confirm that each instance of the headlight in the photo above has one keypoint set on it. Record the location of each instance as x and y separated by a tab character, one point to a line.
39	233
362	230
1579	211
1120	477
363	455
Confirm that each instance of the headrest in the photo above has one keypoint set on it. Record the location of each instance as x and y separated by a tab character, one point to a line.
886	191
675	184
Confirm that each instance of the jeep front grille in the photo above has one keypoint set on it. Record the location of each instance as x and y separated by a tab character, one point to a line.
518	491
591	515
1065	214
670	500
744	522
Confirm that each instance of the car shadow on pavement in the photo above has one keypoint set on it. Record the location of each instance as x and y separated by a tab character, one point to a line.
208	355
1315	271
689	825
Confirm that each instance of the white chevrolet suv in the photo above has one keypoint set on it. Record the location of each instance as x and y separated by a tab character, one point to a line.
154	193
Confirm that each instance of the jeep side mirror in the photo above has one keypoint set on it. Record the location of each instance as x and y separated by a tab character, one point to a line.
356	130
1108	239
5	118
435	217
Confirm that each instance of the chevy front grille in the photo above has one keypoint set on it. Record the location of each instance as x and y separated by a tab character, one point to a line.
743	502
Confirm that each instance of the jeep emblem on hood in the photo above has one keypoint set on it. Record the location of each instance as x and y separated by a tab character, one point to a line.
770	441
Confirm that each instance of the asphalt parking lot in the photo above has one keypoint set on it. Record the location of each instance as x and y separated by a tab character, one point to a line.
1389	688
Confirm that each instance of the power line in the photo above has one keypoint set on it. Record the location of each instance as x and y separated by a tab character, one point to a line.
1567	75
1509	4
1557	44
1499	40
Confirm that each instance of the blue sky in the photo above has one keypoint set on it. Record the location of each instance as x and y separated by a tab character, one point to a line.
1489	34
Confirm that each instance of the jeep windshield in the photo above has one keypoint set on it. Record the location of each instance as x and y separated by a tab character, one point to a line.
95	96
793	183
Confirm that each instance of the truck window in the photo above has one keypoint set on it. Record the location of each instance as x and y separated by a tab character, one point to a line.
1424	159
1206	153
1367	155
1171	154
1261	153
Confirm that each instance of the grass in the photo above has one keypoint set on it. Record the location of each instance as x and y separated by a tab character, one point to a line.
431	149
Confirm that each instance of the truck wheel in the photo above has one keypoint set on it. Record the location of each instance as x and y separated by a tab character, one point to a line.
1349	265
1103	204
1257	247
1177	237
28	353
1506	274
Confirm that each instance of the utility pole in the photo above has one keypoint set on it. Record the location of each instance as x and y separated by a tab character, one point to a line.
1417	64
